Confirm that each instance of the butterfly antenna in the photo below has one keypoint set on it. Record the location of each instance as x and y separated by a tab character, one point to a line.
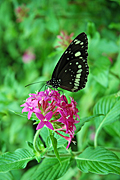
34	83
46	86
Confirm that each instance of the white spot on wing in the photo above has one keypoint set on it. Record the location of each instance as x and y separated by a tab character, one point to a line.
76	84
77	54
79	71
77	81
78	75
79	66
77	42
75	87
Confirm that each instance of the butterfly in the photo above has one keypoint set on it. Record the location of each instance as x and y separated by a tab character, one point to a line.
72	69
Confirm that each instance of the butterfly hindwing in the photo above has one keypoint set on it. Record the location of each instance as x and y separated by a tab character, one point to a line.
74	75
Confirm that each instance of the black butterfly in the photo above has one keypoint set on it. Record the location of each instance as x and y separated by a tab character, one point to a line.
72	69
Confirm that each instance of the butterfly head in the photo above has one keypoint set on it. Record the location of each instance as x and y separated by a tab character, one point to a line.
55	83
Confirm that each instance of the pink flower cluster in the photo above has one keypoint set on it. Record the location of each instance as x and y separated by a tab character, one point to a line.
21	12
65	39
54	111
28	55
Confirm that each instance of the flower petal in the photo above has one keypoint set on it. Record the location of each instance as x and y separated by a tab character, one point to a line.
25	109
40	116
48	116
49	125
29	114
40	125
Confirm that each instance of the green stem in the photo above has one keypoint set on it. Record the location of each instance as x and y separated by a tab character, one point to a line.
73	154
113	149
115	75
35	144
96	135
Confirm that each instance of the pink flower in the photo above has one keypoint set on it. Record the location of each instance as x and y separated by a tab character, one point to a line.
21	12
30	107
92	136
44	120
28	56
53	110
65	39
92	133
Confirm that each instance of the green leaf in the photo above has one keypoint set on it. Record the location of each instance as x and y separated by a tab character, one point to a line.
110	107
52	22
54	143
84	120
117	1
111	47
15	160
61	141
46	137
29	173
98	160
114	25
49	169
30	145
100	71
6	176
113	129
44	133
91	29
2	114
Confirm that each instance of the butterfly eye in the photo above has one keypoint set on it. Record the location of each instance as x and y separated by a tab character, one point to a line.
72	69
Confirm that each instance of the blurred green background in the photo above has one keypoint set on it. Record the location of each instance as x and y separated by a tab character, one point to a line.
28	53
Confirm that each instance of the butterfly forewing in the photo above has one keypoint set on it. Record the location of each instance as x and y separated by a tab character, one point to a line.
79	44
72	70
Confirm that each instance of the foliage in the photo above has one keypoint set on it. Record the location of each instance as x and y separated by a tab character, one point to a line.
30	50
